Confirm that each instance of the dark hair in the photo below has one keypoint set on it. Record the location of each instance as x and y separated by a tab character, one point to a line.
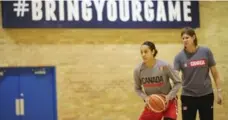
151	46
190	31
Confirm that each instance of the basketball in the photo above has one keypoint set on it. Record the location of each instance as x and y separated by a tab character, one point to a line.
157	103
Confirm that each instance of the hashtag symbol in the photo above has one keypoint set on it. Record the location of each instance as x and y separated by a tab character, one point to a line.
20	8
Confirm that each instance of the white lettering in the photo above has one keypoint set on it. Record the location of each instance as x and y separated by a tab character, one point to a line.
197	63
86	11
99	6
174	12
124	10
161	16
50	7
148	10
37	13
112	10
136	11
187	11
73	10
61	10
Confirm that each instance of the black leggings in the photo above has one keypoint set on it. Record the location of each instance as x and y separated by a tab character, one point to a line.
168	119
204	104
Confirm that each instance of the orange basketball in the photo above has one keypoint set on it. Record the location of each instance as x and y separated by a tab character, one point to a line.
157	103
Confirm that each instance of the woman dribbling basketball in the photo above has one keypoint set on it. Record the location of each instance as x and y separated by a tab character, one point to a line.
153	75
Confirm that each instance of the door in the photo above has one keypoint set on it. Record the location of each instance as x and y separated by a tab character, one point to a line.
9	94
38	93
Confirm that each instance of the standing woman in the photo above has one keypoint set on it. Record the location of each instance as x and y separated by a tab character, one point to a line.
196	62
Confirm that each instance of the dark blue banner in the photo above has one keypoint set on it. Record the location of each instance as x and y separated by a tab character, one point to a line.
100	14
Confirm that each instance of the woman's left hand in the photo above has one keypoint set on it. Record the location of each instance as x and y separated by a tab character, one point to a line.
219	97
167	99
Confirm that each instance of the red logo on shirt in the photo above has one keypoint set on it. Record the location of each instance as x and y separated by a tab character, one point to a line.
197	63
154	84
